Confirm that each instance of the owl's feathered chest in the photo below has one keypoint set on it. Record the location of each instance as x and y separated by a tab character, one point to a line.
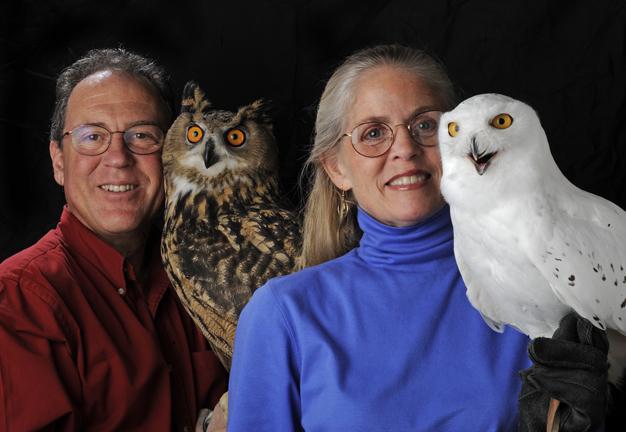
232	237
206	198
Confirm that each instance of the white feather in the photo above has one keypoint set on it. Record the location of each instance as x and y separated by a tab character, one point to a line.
181	186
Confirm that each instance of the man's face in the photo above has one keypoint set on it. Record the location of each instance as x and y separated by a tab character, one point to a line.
117	193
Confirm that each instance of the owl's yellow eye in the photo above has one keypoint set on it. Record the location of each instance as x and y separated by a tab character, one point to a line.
235	137
194	134
453	129
501	121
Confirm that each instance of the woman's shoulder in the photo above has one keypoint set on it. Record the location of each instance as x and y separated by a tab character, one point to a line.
305	286
314	275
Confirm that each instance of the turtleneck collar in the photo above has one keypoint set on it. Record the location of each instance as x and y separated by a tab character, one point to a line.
424	243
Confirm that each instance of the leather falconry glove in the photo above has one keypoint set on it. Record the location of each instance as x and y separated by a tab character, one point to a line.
570	367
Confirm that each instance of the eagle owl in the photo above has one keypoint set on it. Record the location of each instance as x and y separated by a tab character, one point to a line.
225	232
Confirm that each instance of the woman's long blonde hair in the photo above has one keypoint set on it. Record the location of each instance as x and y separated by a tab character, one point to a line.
325	235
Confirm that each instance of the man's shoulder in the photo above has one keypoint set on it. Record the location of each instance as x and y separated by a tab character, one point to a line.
41	257
31	282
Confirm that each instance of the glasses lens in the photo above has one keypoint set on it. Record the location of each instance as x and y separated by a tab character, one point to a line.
90	140
424	127
372	139
144	139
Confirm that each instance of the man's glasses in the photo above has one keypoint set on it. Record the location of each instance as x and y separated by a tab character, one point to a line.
92	140
374	139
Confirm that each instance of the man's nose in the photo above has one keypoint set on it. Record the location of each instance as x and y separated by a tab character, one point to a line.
118	153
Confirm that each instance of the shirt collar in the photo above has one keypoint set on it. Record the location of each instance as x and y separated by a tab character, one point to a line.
424	243
87	247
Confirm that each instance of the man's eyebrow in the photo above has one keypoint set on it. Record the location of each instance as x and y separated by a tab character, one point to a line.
143	122
131	124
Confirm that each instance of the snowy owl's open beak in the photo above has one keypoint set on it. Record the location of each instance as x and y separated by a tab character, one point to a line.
480	159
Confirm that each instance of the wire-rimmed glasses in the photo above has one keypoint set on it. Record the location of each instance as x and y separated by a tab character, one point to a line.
374	139
92	140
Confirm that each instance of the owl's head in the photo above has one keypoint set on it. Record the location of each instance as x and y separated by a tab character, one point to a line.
492	142
205	143
485	128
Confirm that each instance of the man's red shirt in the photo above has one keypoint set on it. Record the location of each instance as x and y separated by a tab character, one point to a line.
85	345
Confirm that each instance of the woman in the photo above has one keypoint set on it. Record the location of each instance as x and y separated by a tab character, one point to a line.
376	332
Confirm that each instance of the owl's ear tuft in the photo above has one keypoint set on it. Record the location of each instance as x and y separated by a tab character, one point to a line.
260	110
194	99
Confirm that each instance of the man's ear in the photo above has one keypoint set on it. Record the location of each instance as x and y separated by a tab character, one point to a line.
336	172
58	164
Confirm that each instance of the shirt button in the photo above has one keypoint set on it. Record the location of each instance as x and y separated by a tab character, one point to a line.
121	291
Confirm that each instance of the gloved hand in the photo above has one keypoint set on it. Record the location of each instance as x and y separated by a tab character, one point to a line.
572	368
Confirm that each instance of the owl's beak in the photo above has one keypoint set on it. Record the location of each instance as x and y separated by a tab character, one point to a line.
209	156
480	159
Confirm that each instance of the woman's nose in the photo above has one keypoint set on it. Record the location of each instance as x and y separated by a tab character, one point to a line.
404	145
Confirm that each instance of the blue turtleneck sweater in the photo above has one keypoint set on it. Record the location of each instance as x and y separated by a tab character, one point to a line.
380	339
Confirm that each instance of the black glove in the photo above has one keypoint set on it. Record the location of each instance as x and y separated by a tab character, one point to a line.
616	417
572	368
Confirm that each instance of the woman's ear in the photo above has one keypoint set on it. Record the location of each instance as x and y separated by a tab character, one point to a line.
56	154
336	171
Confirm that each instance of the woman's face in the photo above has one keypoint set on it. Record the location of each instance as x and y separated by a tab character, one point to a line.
401	187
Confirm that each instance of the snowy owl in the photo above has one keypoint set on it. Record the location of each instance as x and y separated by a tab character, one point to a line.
530	245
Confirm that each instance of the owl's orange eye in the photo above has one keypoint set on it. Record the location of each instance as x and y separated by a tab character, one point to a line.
453	129
194	134
235	137
501	121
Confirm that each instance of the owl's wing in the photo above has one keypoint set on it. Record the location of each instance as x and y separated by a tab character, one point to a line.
273	231
194	259
582	254
502	283
463	252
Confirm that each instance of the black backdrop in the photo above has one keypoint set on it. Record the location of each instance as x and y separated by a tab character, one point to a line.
567	58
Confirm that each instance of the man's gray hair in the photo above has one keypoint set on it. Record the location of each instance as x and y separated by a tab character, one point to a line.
114	59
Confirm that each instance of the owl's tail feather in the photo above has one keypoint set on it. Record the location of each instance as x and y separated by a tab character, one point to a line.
218	328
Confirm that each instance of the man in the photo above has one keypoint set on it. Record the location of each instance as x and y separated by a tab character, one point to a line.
91	334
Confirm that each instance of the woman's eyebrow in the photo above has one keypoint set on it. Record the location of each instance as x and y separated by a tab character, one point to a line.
385	119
